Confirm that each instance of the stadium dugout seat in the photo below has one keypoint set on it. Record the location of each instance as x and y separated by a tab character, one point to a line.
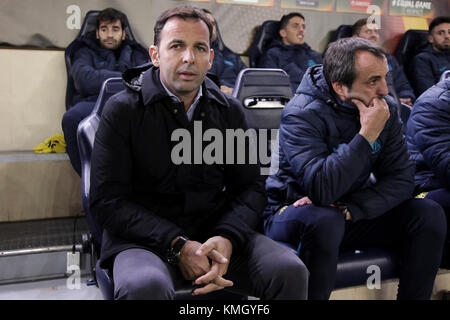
262	41
405	112
254	85
220	42
263	93
343	31
88	27
86	136
353	265
411	43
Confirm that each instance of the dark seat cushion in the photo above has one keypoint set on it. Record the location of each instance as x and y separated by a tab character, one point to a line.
352	268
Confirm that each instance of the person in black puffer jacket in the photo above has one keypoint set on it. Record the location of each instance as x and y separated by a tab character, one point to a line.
429	64
290	52
105	54
428	137
342	177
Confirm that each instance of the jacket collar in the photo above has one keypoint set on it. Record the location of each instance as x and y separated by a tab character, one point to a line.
279	43
153	90
429	49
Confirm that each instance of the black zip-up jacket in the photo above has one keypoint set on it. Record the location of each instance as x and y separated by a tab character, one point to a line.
428	67
428	136
93	64
141	198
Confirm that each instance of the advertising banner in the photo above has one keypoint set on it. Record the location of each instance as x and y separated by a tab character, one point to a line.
422	9
318	5
359	6
262	3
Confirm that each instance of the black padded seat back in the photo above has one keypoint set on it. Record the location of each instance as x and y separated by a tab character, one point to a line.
354	267
258	84
263	94
412	42
268	32
405	112
219	40
343	31
86	136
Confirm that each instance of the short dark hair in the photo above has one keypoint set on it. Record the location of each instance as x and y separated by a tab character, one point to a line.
210	13
339	59
285	19
437	21
184	12
356	27
111	15
207	11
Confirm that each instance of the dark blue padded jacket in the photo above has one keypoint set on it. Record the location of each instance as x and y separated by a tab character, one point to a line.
322	155
428	67
93	64
226	65
428	136
399	80
293	59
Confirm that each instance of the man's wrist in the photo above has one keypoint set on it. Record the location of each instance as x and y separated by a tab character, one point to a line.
370	139
174	252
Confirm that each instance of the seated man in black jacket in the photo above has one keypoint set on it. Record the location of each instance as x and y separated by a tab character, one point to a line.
104	56
290	52
340	145
428	136
429	64
167	214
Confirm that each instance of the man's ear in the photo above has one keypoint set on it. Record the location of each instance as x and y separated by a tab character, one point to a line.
340	89
124	35
282	33
154	55
211	58
430	38
96	34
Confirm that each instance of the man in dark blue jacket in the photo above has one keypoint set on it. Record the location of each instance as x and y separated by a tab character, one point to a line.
428	136
227	64
167	222
397	78
104	56
291	53
343	176
435	59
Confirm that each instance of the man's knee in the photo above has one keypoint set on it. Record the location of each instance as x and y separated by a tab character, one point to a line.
290	276
429	215
327	226
144	286
68	121
76	114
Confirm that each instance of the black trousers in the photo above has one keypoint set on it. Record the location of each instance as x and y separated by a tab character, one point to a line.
70	121
442	196
417	228
263	269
